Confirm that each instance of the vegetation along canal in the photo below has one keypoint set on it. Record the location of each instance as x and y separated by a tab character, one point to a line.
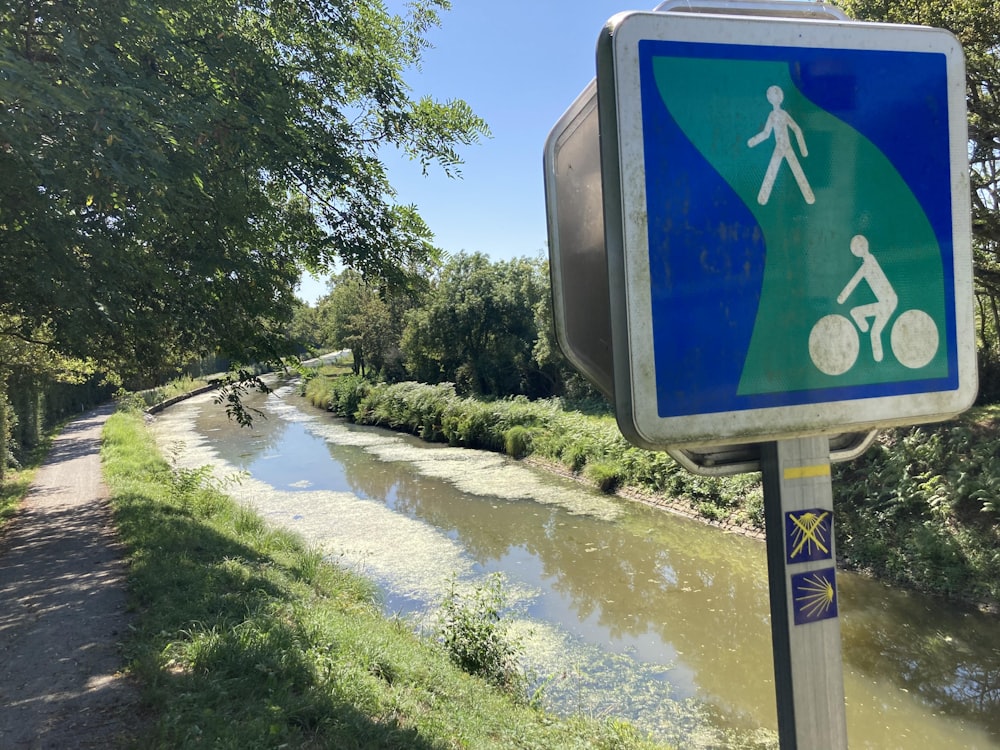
624	610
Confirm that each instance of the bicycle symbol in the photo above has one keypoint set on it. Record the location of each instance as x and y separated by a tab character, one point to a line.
834	342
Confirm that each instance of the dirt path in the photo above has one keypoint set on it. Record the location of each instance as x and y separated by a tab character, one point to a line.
62	615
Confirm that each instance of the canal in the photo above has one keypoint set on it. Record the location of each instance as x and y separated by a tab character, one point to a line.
624	610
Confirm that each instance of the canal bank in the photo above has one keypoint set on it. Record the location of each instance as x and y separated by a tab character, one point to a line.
667	623
243	637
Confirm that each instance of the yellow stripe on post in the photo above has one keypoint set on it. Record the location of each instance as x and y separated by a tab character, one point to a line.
807	472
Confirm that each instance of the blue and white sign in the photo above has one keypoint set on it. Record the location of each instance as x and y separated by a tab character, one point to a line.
792	253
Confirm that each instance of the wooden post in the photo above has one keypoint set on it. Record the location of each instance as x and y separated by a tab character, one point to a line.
805	625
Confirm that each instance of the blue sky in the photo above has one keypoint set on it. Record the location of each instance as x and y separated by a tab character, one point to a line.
519	64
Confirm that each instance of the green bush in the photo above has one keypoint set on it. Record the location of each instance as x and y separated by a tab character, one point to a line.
347	393
472	424
8	443
752	510
919	508
517	441
474	632
605	476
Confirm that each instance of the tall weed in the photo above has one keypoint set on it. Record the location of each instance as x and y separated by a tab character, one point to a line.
475	632
918	508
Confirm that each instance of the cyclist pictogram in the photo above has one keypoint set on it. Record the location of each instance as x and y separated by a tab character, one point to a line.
834	342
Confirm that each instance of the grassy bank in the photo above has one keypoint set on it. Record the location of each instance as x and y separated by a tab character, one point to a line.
245	639
17	481
12	492
921	508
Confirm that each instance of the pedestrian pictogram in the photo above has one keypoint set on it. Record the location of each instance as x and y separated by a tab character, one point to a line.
814	596
779	122
809	535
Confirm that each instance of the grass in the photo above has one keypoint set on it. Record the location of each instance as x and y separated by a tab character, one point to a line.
343	365
245	638
17	482
12	492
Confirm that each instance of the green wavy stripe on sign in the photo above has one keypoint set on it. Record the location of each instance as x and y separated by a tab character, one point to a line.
808	259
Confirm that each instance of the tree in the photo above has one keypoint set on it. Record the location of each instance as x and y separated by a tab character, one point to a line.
170	168
367	318
562	377
303	329
477	327
29	367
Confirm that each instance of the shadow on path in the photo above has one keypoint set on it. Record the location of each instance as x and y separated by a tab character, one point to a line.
62	584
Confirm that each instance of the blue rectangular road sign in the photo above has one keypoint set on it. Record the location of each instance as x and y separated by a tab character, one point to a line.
787	222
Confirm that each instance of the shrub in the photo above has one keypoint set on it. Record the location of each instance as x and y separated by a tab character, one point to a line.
517	441
8	429
575	457
474	632
752	511
346	395
606	476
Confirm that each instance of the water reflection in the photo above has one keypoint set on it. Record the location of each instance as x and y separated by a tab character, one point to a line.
684	602
950	659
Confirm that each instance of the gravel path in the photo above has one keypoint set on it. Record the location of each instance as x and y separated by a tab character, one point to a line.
63	615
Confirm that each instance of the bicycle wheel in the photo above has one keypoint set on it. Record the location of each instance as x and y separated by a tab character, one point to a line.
914	339
834	344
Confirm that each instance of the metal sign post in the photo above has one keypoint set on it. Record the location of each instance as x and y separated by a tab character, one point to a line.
805	628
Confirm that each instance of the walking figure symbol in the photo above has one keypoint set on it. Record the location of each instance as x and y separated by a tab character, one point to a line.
779	122
834	343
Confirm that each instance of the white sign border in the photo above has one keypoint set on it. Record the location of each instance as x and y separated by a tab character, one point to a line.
637	386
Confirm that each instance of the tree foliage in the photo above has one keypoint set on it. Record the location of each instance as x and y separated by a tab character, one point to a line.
303	329
27	370
366	317
170	168
477	327
484	326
